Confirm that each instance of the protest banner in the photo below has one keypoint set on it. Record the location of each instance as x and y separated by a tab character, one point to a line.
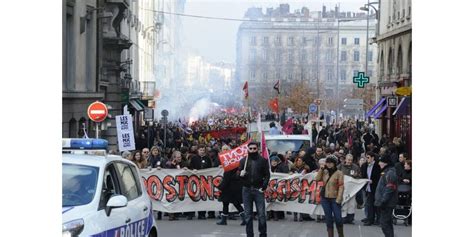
230	159
178	190
125	135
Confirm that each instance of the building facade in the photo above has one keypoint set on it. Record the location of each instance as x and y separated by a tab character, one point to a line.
395	67
108	55
304	46
80	82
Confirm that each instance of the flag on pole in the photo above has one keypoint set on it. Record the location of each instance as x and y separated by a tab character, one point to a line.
246	89
277	86
273	104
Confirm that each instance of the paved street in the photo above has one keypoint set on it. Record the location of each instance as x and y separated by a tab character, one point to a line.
281	228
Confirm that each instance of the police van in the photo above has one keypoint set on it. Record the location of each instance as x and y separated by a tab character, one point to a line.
102	195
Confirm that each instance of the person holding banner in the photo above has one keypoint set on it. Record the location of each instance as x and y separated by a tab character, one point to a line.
255	173
199	162
352	170
231	192
139	160
299	167
176	162
331	195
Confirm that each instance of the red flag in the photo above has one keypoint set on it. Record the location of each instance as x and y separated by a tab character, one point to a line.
273	104
288	126
277	86
246	89
230	159
264	147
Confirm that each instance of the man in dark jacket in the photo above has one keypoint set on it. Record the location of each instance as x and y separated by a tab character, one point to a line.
400	165
386	195
371	170
231	192
198	162
323	134
255	173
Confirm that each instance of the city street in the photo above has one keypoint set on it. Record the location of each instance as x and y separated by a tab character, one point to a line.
281	228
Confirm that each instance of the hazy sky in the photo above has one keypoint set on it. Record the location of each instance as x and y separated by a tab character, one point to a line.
215	39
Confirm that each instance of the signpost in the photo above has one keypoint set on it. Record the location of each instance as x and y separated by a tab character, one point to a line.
392	101
313	108
353	106
164	113
97	112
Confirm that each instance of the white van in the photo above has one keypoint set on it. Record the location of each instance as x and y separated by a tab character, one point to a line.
283	143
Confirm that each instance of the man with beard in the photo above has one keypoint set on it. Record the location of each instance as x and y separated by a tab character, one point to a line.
255	174
198	162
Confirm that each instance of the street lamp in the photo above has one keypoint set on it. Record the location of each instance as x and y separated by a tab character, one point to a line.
366	8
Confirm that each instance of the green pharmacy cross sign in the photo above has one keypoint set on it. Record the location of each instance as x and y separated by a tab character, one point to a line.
361	80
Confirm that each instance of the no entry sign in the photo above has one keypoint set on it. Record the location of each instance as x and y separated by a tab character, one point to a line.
97	111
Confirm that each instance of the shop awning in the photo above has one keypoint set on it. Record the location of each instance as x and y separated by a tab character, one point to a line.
380	112
402	108
137	105
372	111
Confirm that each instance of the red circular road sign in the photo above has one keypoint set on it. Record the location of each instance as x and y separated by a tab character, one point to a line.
97	111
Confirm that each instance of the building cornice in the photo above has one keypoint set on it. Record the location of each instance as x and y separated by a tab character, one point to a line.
82	95
398	31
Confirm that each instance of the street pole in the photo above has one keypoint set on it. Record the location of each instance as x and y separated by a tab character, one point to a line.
164	135
317	60
148	135
97	130
367	41
337	73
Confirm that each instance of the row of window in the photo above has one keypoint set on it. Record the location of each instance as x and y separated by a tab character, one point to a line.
304	56
304	40
305	75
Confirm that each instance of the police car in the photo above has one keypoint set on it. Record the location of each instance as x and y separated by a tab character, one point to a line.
102	194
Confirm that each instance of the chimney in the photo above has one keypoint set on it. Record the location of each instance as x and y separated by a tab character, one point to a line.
284	9
305	11
269	11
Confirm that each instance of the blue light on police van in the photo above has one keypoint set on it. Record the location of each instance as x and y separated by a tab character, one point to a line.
85	144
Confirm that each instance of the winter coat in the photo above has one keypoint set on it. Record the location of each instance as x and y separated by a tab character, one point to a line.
310	162
334	185
169	165
231	187
399	168
257	172
200	163
386	194
299	170
406	174
374	177
153	161
141	164
281	168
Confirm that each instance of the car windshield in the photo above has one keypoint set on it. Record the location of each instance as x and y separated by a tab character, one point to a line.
79	184
282	146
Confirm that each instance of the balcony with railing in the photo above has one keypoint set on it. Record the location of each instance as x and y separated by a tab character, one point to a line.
147	89
135	92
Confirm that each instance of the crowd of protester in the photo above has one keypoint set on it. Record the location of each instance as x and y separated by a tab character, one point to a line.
354	147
